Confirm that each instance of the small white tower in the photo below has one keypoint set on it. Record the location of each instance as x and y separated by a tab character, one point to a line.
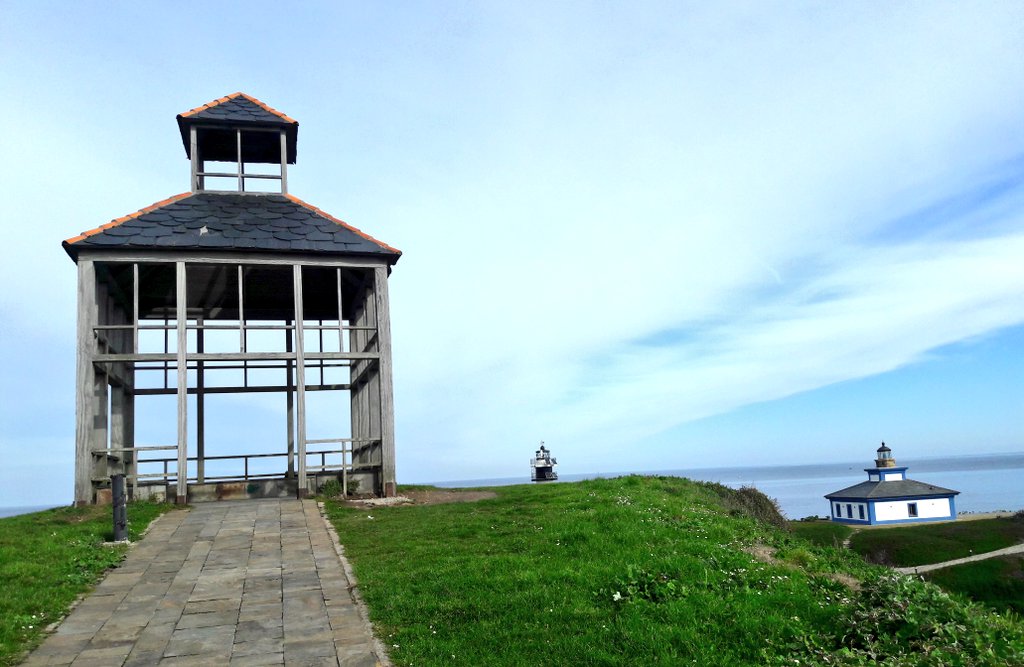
542	465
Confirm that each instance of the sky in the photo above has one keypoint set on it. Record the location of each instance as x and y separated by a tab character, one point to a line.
653	235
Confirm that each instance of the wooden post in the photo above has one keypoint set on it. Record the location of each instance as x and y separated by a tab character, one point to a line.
86	376
284	162
356	417
387	404
197	181
241	165
102	407
290	401
181	313
128	418
200	409
117	424
129	399
300	380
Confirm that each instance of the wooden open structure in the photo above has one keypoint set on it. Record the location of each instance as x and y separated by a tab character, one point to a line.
234	287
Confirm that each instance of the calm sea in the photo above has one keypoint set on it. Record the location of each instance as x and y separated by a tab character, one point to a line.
986	482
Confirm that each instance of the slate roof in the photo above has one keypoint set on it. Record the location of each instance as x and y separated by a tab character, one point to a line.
251	222
239	108
902	488
234	110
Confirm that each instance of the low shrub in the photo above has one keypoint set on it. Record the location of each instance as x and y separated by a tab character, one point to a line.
330	489
898	620
750	502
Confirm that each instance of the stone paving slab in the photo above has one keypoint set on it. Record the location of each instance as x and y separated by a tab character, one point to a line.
247	582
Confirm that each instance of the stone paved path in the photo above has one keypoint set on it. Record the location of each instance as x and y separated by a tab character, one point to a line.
252	582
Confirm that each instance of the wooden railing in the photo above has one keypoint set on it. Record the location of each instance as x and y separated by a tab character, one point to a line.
116	463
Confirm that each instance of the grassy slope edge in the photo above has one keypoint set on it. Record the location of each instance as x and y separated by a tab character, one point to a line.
910	545
641	570
48	559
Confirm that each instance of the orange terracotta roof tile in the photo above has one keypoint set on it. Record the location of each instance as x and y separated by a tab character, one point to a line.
232	96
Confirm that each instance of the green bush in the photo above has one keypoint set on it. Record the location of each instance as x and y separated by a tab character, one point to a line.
750	502
898	620
330	489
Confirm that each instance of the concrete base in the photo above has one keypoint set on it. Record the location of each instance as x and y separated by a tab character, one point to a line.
280	487
254	488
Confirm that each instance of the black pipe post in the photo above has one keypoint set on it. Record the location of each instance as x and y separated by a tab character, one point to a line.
120	502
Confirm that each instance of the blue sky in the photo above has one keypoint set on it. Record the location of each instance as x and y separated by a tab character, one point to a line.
698	234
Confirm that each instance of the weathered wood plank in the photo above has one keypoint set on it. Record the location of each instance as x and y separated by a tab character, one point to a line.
284	162
290	403
229	257
269	389
181	315
200	408
236	356
387	403
300	381
85	376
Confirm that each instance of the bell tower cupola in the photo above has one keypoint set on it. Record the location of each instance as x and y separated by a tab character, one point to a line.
239	144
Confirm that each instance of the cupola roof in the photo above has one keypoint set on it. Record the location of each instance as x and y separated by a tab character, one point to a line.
239	111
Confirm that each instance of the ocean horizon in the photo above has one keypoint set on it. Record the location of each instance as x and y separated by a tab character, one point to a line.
986	482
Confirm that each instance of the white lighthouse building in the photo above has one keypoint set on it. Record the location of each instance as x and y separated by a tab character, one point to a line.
889	497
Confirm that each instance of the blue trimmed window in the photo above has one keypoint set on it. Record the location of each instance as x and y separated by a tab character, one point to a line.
860	508
911	509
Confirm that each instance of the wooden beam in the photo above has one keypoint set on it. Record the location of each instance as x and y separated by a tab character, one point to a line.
230	257
387	402
284	163
341	313
241	167
300	380
181	315
85	372
241	309
290	404
200	410
234	356
197	182
269	389
135	307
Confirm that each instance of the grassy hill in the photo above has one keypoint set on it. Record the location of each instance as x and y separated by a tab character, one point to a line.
644	571
921	544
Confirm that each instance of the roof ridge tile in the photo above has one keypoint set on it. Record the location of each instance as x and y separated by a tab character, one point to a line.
344	224
227	98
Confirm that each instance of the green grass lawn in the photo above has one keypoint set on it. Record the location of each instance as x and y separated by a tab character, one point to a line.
822	533
923	544
641	571
997	582
47	559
